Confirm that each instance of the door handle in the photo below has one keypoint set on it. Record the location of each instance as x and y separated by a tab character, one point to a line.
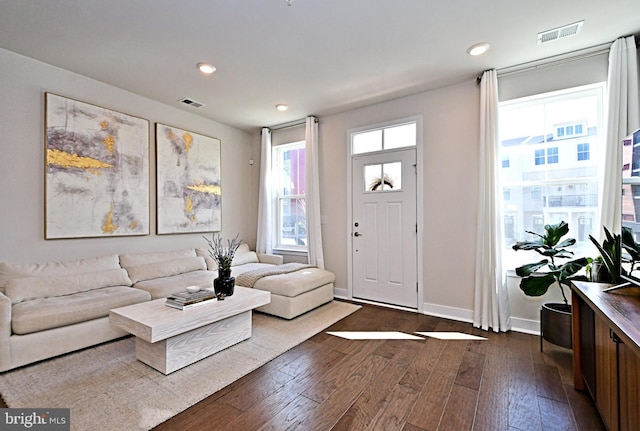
357	234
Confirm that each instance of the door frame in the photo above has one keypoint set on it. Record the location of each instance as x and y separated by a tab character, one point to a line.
419	208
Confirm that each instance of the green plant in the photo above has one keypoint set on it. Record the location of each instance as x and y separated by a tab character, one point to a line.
631	246
610	254
221	254
534	283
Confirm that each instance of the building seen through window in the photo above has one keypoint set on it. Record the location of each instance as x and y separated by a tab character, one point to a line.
548	140
288	168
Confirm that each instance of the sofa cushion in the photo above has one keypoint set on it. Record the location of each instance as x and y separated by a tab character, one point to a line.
295	283
243	256
148	271
212	265
22	289
134	259
165	286
9	271
46	313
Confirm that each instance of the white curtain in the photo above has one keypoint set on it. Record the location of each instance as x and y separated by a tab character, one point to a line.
491	306
623	118
265	225
312	194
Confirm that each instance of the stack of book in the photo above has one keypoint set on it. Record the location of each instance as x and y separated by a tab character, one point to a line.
184	300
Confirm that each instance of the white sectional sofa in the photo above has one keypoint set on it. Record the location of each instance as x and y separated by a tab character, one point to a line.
51	308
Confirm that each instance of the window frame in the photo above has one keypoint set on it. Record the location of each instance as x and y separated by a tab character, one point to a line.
278	197
553	156
381	130
538	187
583	151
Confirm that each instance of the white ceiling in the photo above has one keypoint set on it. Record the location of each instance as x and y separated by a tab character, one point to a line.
317	56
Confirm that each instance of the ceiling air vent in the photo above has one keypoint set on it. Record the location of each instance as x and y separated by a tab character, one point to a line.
559	33
191	102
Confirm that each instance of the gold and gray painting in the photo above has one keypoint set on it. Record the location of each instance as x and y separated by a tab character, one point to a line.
188	172
97	171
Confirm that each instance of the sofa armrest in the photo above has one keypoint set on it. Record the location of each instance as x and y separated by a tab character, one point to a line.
273	259
5	332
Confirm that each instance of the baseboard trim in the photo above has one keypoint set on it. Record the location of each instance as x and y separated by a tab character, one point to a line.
459	314
341	293
525	326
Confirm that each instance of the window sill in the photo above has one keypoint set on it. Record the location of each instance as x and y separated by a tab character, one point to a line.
512	273
290	251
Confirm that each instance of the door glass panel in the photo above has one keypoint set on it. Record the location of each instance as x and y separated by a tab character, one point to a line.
392	176
367	141
383	177
400	136
372	175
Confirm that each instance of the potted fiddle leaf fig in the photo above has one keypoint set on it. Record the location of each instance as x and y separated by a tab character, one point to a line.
538	277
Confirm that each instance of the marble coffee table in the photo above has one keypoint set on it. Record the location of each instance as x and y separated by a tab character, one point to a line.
168	339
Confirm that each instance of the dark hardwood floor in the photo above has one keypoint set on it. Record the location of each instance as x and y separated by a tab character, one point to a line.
330	383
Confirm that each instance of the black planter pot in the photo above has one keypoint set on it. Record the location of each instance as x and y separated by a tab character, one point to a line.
224	284
599	273
555	324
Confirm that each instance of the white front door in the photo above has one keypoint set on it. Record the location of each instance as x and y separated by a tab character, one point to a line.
384	228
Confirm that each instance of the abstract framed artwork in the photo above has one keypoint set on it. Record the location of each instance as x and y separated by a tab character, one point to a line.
188	181
97	171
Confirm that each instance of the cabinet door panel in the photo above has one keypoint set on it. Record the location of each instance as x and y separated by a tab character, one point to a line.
629	386
606	375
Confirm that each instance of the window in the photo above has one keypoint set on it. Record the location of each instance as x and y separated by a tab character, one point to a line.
552	155
583	152
506	193
548	156
570	130
387	138
288	169
505	163
535	193
555	184
383	177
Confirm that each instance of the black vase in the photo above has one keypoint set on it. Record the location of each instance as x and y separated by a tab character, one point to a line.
224	283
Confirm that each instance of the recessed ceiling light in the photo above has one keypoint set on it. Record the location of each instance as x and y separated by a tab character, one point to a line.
206	68
281	107
478	49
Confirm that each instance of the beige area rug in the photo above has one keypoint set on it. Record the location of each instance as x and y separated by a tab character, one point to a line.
106	388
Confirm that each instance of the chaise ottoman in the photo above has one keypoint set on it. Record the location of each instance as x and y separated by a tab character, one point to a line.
295	288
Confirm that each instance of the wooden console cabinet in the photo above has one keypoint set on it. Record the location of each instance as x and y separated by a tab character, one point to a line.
606	351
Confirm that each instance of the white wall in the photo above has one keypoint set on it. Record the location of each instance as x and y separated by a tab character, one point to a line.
23	82
450	142
450	159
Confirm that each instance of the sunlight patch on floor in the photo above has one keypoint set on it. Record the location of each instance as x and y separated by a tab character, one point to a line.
451	336
374	335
